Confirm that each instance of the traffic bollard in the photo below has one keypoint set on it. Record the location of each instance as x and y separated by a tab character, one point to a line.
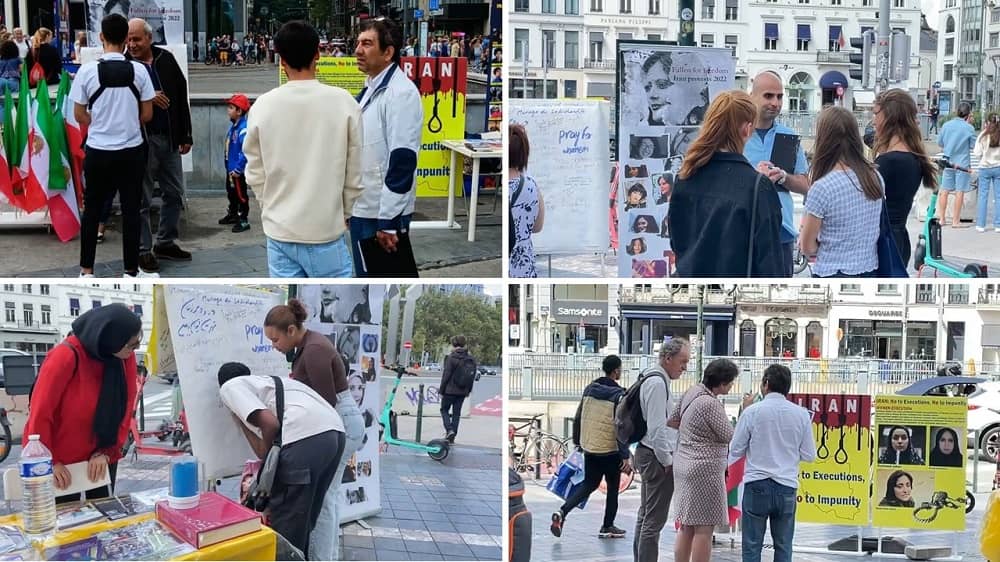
420	411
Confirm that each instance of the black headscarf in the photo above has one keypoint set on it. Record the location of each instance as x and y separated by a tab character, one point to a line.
103	332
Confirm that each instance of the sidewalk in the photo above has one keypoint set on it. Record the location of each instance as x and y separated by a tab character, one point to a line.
579	540
218	252
430	511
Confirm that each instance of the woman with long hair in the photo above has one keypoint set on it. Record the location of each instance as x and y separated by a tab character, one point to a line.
946	451
718	196
844	207
317	364
988	152
43	52
901	159
84	399
898	490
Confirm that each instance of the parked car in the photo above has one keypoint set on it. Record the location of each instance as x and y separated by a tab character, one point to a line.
4	353
984	407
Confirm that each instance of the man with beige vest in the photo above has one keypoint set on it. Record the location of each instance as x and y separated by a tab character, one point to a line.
603	456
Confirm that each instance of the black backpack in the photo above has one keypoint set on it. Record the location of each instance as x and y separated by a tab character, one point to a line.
463	375
115	74
630	426
511	231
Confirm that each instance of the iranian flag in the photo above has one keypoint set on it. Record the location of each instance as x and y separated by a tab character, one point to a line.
6	187
734	489
50	169
31	193
75	133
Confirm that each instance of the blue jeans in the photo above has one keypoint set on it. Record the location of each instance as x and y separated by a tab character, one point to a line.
363	229
765	500
954	180
988	178
290	259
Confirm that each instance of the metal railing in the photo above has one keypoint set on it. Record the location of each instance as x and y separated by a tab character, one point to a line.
777	294
679	295
988	298
22	325
599	64
563	376
833	56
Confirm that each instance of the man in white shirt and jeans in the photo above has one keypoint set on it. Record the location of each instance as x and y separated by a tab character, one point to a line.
303	147
775	435
654	455
312	442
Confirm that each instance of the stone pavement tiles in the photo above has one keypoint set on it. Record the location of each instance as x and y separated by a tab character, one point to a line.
431	510
579	541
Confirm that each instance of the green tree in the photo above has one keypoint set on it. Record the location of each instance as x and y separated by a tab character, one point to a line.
440	316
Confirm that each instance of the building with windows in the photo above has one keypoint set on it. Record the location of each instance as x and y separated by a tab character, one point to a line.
968	53
650	315
561	318
571	44
38	316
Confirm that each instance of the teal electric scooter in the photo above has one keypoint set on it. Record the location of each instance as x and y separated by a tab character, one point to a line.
928	250
437	449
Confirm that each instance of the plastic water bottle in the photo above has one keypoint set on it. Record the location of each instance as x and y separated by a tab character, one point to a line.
39	501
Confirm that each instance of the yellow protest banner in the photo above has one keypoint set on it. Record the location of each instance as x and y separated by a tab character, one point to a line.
442	85
919	478
834	488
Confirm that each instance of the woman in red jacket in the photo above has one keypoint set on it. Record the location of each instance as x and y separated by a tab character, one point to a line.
82	404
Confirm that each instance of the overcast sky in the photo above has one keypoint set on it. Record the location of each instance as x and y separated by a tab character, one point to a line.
930	9
493	290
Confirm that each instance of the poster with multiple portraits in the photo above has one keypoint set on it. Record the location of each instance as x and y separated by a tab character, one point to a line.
351	317
919	480
663	94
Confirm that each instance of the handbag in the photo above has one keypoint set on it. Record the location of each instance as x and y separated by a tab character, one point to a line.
890	263
36	75
259	495
753	224
568	478
380	263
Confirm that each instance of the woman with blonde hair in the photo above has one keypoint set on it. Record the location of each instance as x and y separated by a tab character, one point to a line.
46	55
725	218
901	160
988	152
844	207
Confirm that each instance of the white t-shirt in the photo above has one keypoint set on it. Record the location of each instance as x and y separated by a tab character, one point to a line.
306	412
114	118
22	48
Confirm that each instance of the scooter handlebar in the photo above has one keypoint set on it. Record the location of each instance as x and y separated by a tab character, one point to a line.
400	371
946	164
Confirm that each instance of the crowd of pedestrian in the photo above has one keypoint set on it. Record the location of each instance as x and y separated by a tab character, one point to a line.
226	50
683	453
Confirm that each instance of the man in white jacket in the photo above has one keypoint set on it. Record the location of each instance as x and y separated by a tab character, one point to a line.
393	117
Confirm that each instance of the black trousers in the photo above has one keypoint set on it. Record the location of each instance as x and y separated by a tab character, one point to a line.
239	201
96	493
305	470
109	172
451	411
596	467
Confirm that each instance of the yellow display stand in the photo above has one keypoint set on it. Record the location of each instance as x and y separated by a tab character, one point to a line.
261	545
990	537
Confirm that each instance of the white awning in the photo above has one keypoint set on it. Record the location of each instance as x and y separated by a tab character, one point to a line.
864	97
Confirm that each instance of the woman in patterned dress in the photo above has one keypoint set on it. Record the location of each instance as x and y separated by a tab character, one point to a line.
527	208
700	462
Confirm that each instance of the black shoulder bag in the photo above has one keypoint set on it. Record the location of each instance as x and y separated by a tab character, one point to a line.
260	491
753	225
511	231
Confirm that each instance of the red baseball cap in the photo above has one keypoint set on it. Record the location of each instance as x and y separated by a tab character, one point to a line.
240	101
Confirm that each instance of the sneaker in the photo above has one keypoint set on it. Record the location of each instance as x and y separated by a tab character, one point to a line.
100	237
171	251
86	275
611	532
557	523
147	262
451	437
980	229
141	275
241	227
229	219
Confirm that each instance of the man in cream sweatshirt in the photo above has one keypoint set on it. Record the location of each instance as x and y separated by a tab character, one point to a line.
303	148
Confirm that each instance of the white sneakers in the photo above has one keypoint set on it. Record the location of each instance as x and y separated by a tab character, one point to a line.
86	275
140	274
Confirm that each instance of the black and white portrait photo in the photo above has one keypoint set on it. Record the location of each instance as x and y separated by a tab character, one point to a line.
342	304
645	148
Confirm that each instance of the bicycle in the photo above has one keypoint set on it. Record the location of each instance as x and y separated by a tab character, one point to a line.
539	452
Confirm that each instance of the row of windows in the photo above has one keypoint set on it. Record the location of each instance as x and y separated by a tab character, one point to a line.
74	307
653	7
28	314
44	289
596	52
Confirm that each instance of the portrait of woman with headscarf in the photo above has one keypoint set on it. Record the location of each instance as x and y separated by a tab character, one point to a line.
82	403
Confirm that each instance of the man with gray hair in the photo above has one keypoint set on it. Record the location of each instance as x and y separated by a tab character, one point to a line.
654	455
168	136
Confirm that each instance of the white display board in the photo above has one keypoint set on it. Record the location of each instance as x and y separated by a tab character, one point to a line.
210	325
570	162
408	398
663	94
179	50
351	317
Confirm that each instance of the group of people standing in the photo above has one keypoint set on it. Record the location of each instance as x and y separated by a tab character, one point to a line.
687	447
224	50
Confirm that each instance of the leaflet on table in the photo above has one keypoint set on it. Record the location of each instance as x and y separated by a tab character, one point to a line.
76	516
11	539
146	540
145	501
